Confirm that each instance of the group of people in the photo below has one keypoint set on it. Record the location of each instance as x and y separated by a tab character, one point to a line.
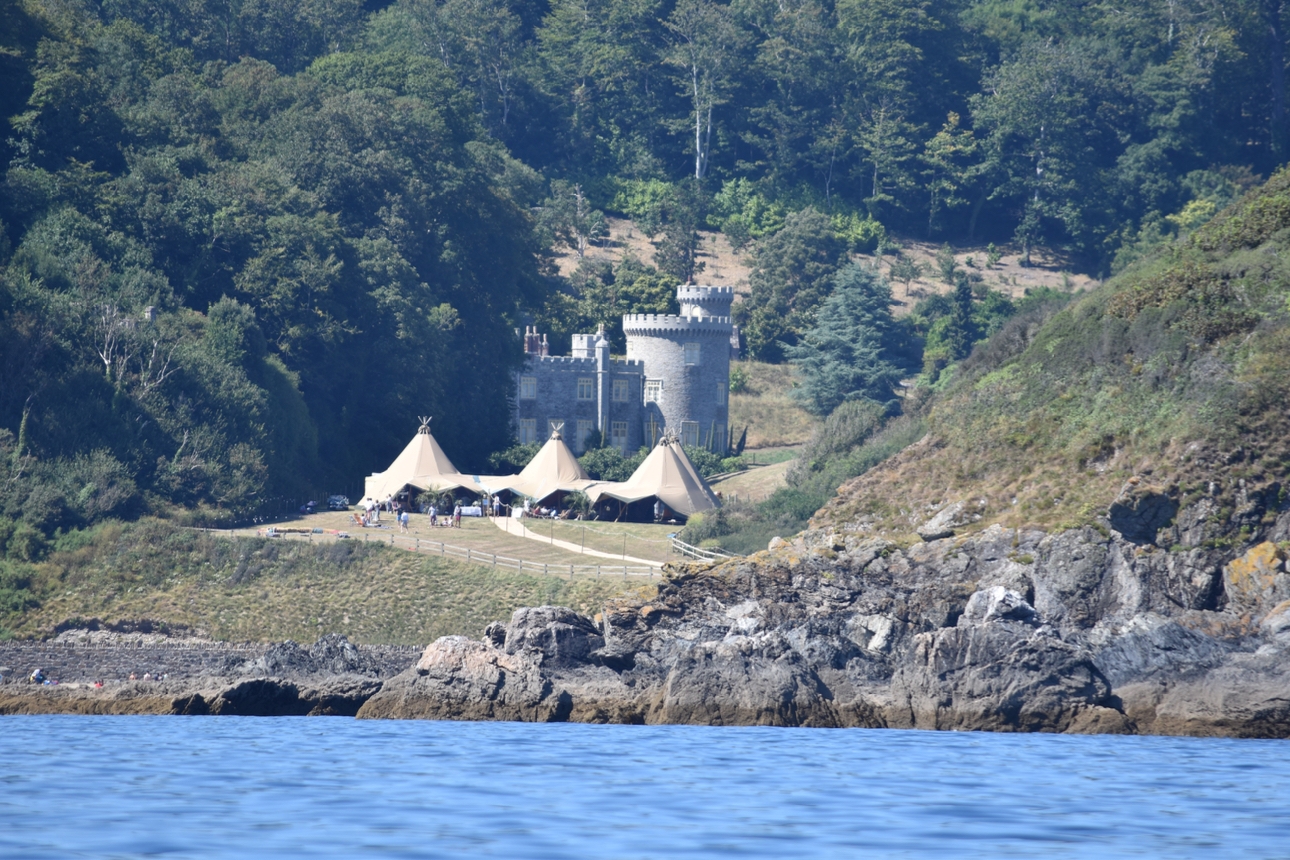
453	520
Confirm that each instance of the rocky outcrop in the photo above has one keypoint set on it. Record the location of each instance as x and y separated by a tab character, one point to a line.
1089	630
331	677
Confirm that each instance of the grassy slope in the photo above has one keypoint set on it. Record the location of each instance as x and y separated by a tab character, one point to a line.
257	589
1177	372
772	417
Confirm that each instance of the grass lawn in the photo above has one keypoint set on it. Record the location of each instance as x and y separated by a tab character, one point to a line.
479	534
754	484
640	540
253	588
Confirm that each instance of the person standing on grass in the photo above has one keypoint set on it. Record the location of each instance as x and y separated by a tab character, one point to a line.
434	515
456	516
403	521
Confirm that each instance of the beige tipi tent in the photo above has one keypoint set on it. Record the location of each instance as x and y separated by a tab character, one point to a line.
668	475
553	469
422	464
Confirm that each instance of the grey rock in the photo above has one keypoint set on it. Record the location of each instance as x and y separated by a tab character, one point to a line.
1003	630
943	524
997	603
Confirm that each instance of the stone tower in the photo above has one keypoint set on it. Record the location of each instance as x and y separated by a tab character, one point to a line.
686	359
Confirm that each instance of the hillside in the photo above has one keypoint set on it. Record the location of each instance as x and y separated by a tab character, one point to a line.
1171	378
255	589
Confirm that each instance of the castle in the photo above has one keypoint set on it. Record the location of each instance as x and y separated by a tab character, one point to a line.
676	376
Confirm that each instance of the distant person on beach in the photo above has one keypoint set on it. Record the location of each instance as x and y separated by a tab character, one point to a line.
37	677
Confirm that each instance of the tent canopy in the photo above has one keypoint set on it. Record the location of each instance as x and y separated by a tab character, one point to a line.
553	469
421	464
668	475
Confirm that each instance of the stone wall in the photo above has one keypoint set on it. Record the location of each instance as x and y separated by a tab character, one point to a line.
557	397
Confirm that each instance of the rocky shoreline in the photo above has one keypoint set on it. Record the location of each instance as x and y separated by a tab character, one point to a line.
1093	630
158	674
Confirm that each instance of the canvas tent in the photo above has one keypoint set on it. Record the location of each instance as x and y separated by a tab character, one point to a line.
421	464
667	475
553	469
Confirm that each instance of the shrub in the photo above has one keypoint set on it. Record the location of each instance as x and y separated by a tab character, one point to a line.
705	462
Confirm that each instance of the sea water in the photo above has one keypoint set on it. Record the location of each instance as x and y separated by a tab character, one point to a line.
331	787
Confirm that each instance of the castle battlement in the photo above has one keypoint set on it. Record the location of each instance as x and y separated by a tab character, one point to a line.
643	323
694	291
571	363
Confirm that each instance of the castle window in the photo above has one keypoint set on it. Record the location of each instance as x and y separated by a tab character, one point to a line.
653	390
586	388
723	388
584	430
528	388
690	433
528	430
618	435
691	353
622	390
719	442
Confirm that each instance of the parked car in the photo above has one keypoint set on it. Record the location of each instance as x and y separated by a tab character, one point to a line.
338	503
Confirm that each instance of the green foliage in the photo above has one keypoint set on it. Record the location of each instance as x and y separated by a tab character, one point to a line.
738	380
845	356
706	463
320	254
513	459
854	439
599	293
567	218
744	214
946	264
792	274
609	464
862	234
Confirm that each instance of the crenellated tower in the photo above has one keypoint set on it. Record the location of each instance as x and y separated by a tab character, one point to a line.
686	360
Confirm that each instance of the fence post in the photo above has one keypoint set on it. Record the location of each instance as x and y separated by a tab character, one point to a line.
494	559
545	571
468	558
441	552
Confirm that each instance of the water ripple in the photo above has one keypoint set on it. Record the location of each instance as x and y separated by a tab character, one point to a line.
242	787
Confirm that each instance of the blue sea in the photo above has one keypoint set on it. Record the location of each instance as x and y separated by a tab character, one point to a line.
207	787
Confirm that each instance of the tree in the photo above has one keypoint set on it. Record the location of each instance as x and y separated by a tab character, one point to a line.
843	356
884	139
792	275
568	218
704	45
905	269
948	167
962	331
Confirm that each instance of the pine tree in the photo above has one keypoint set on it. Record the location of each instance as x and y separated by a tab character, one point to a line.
843	356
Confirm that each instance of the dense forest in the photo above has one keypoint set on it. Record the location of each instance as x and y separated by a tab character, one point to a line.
243	243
